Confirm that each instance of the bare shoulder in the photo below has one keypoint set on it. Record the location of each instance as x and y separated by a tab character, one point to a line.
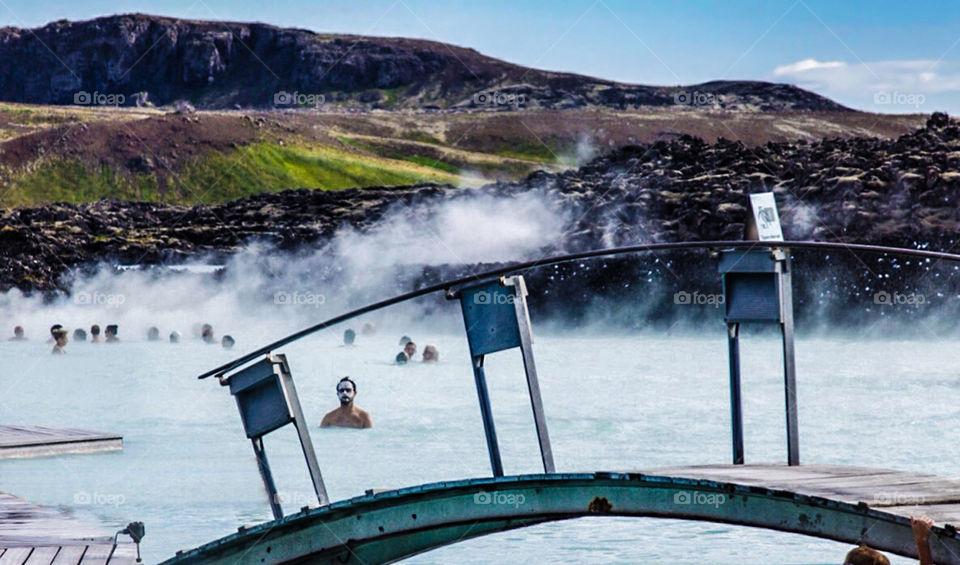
365	418
328	419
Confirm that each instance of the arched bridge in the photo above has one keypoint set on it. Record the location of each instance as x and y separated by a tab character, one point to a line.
845	504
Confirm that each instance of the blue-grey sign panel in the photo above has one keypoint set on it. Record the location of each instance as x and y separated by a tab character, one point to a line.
260	399
490	316
751	297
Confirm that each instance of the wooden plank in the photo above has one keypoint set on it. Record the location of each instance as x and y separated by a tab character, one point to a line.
96	554
15	555
33	441
70	555
42	555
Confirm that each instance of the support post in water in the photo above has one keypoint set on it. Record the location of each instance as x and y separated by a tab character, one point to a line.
757	287
267	400
496	318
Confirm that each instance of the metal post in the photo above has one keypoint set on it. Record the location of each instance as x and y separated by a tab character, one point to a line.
487	414
533	384
736	407
267	477
299	422
789	365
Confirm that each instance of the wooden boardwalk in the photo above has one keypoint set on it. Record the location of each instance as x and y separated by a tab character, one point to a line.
37	535
894	492
37	441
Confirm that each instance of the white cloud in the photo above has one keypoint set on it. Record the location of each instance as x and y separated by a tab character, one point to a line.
861	78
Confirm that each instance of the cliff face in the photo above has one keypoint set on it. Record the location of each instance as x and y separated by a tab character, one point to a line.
135	58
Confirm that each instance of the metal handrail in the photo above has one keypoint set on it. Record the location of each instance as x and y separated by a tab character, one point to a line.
517	268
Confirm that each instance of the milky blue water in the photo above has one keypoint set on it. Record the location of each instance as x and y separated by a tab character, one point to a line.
613	402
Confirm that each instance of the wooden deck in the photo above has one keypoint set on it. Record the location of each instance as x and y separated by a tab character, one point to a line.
37	535
895	492
38	441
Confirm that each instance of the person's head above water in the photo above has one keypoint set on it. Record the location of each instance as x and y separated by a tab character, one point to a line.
404	340
54	328
346	391
227	342
864	555
401	358
111	332
95	330
430	354
79	334
60	335
153	334
207	333
410	349
174	337
18	331
349	336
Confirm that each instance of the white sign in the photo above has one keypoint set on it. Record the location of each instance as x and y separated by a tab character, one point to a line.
764	207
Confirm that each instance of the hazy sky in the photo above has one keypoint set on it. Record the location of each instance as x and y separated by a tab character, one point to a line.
880	55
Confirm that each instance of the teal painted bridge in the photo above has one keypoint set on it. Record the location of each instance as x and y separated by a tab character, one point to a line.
845	504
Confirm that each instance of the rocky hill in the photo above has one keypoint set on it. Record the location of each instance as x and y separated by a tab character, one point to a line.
144	59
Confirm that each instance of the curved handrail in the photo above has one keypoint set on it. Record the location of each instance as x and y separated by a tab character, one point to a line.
557	259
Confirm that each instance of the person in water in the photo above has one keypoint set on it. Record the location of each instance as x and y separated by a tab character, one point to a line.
110	334
348	415
227	342
18	334
153	334
401	358
95	334
60	341
864	555
404	340
430	354
349	336
53	332
174	337
410	349
207	334
368	328
79	334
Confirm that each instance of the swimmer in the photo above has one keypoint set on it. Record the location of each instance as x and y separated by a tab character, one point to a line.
174	337
110	334
95	334
401	358
207	334
430	354
349	336
53	332
60	335
410	349
153	334
368	328
79	334
227	342
404	340
347	415
18	334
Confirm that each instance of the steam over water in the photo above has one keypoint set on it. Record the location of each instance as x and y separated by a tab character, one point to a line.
615	400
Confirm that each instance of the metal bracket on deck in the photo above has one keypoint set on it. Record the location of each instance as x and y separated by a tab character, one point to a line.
496	318
757	287
267	400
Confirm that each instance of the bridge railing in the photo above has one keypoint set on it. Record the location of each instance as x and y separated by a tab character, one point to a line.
756	282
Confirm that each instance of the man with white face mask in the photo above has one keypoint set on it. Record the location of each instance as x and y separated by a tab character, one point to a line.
347	415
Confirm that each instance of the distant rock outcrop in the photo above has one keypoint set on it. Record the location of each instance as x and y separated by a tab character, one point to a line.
131	59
